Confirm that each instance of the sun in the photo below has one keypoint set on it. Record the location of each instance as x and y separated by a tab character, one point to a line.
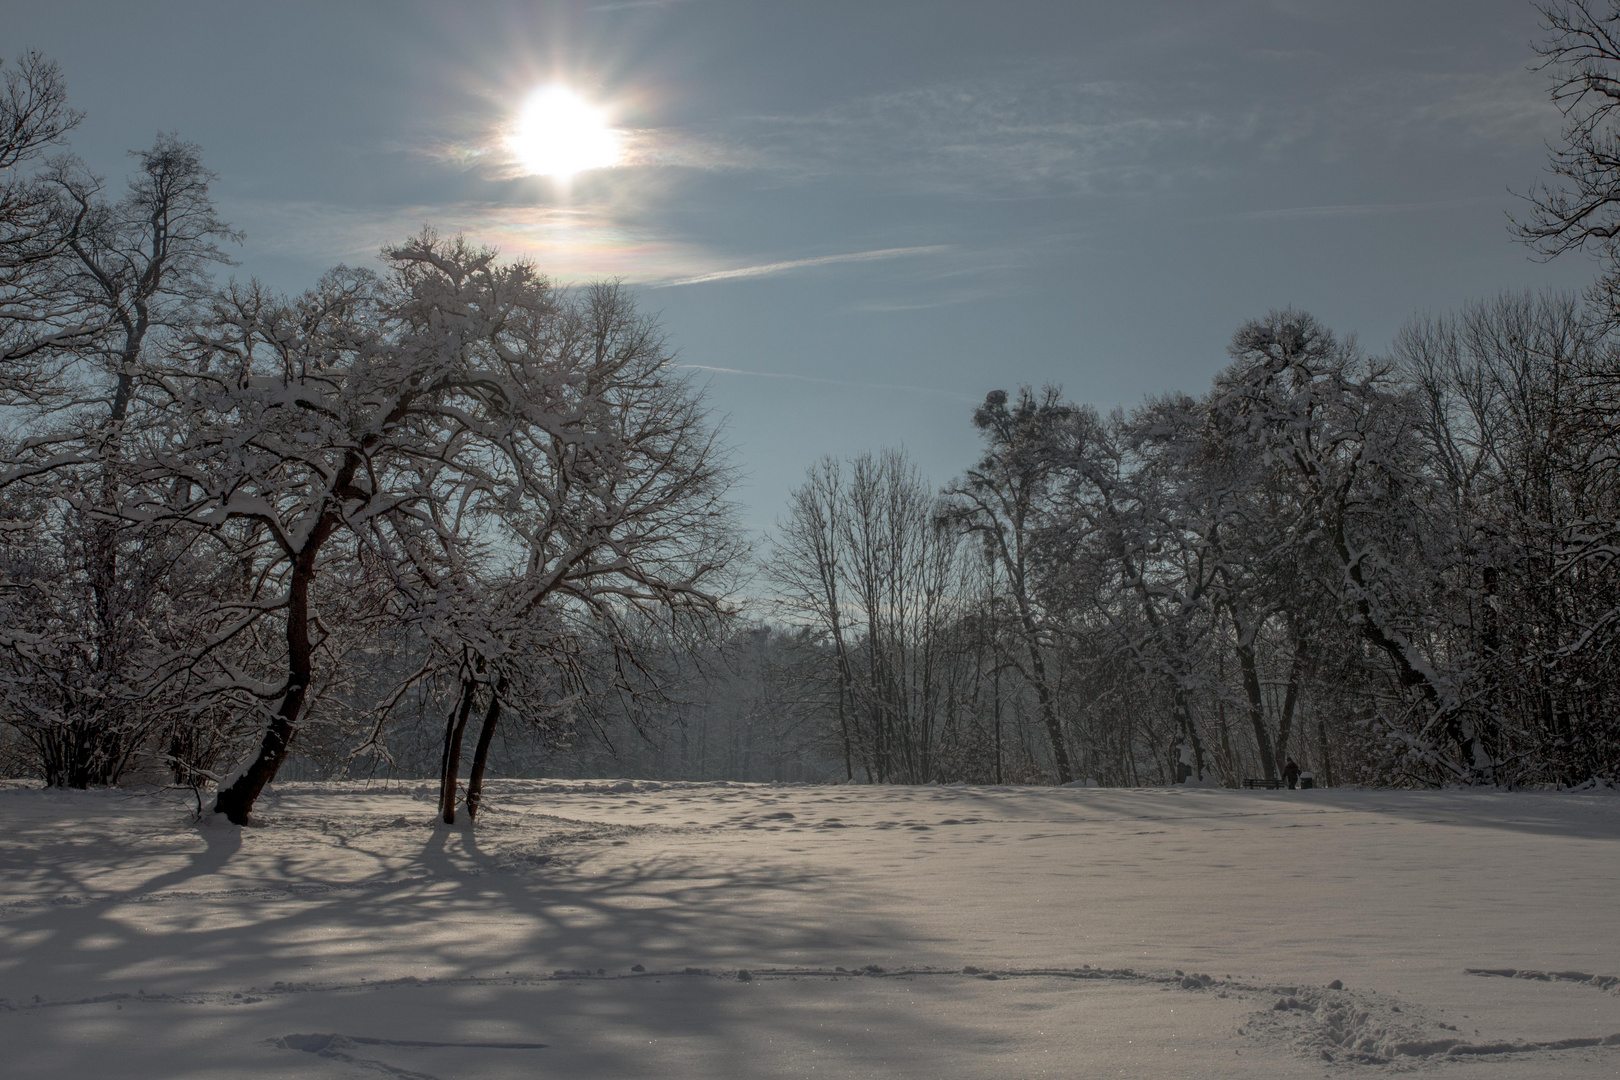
559	134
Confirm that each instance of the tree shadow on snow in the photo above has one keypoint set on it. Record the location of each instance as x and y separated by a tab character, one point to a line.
421	932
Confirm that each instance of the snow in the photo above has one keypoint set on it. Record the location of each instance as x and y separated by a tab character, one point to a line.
633	928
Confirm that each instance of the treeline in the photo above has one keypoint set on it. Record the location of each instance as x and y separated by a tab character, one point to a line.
1397	569
1394	570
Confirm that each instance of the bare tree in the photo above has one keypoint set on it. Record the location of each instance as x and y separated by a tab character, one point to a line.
1341	430
102	282
1580	207
1001	500
1512	389
34	117
865	563
805	565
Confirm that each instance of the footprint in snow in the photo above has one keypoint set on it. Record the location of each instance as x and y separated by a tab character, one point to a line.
337	1047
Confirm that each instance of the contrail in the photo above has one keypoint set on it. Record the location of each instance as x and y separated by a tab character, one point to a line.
829	382
795	264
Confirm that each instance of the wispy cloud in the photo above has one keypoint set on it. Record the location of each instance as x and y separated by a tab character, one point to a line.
766	269
830	382
1039	131
1508	106
1052	130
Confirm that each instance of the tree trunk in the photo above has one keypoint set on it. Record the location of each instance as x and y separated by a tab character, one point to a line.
1326	764
996	659
1037	665
1257	708
1189	729
1285	723
1054	730
452	750
236	802
1401	653
486	734
845	679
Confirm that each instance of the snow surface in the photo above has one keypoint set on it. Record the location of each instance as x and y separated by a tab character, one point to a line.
629	929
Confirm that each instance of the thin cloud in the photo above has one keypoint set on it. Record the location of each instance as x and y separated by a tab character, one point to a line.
1352	209
634	5
830	382
1050	130
568	244
889	307
1039	131
766	269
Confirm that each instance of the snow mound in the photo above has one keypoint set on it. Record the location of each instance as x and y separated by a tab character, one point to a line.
1374	1029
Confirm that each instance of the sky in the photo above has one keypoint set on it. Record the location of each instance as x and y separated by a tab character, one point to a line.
855	219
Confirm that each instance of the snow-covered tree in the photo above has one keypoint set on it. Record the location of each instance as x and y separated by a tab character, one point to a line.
1516	395
1000	501
456	446
100	289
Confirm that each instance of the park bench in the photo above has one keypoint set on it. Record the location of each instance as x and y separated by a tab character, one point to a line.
1269	785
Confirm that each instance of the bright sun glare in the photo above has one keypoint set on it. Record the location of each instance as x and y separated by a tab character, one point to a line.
559	134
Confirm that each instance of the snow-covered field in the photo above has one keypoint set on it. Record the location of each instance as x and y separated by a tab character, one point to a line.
626	929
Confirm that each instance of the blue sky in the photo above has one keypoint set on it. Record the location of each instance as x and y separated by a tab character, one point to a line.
857	218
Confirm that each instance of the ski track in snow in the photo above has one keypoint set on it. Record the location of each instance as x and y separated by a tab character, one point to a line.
99	891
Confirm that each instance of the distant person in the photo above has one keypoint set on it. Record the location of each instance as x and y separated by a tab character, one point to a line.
1291	774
